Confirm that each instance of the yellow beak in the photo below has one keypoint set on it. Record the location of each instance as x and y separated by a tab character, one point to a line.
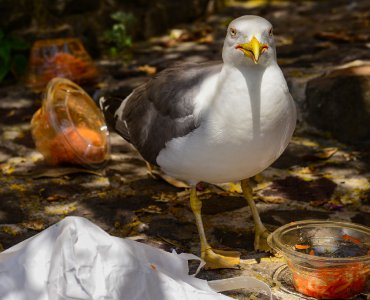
253	49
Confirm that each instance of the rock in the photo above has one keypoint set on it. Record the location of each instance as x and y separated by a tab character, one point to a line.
339	103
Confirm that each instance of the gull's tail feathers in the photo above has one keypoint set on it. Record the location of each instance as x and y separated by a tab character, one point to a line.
112	109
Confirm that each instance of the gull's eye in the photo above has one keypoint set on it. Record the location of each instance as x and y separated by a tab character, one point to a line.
233	32
270	32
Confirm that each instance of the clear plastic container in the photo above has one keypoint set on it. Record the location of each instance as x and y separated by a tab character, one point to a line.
64	57
69	127
327	259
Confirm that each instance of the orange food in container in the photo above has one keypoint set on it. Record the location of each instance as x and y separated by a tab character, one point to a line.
65	58
327	259
69	127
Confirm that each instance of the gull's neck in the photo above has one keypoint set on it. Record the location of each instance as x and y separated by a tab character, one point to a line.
244	81
239	91
248	72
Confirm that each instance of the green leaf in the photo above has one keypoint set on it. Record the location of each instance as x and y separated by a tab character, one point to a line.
113	51
1	34
118	37
111	36
17	44
119	28
122	17
4	70
4	60
19	64
5	52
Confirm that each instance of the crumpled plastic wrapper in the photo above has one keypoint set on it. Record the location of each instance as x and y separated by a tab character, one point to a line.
75	259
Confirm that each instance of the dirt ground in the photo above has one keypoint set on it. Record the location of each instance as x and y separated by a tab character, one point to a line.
315	178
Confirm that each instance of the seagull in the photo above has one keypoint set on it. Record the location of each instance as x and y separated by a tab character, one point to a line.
214	122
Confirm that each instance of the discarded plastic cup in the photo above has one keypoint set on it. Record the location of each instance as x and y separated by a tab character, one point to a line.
327	259
69	128
65	57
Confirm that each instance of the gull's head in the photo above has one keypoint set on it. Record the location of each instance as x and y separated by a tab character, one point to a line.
249	41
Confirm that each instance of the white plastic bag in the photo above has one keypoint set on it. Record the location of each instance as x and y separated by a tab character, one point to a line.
75	259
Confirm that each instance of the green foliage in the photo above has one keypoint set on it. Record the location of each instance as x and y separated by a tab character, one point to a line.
119	37
12	57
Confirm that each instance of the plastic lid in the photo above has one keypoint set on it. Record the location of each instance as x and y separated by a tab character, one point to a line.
326	234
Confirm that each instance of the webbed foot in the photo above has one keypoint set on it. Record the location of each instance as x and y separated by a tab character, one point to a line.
221	259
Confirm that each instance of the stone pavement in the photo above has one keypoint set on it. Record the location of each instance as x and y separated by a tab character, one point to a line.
316	177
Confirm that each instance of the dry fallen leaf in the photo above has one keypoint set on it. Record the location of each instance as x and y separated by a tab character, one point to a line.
318	203
178	34
230	187
148	69
54	198
153	209
37	225
60	172
11	229
342	36
130	228
62	209
271	198
165	197
170	180
18	187
11	113
326	153
339	36
208	39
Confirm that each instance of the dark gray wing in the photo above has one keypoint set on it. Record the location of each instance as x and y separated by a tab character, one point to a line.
161	109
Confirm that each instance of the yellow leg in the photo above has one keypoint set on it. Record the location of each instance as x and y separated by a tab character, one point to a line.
215	259
261	233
